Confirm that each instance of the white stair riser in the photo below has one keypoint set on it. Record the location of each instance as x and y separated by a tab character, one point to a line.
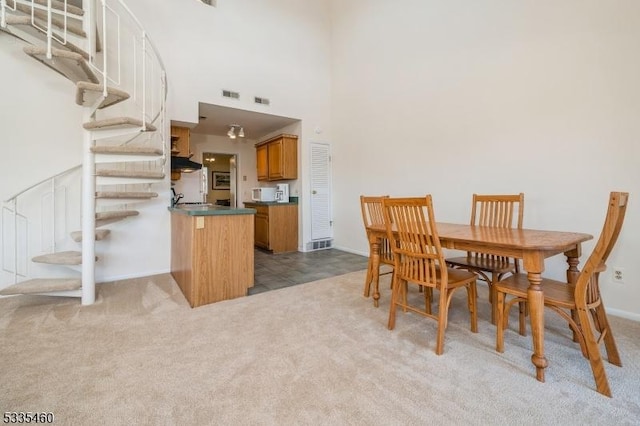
68	293
108	180
114	133
110	202
125	158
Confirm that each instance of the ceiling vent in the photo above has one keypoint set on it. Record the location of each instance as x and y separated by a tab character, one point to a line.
262	101
230	94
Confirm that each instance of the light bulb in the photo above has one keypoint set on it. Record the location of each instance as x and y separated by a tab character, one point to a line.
231	133
241	132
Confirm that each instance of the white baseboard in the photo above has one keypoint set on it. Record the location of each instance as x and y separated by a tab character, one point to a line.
624	314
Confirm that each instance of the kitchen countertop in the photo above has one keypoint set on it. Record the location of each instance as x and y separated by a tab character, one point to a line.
209	210
268	203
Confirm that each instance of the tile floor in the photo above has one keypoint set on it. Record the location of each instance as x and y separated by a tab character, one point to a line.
273	271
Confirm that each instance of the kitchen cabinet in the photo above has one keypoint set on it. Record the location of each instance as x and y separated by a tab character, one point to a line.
262	162
212	253
180	146
181	141
277	158
276	226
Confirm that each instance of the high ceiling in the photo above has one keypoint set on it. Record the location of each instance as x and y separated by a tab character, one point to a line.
255	124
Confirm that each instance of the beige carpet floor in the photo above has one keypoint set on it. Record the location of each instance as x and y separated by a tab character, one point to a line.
317	353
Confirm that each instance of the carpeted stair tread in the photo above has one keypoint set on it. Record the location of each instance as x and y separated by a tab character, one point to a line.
23	23
73	25
117	122
43	285
18	20
60	258
55	4
100	234
105	218
89	93
76	68
116	214
126	149
126	195
145	174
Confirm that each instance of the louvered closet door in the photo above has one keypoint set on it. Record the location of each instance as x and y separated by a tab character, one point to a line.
320	192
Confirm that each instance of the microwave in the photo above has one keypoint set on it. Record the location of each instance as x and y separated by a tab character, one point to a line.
263	194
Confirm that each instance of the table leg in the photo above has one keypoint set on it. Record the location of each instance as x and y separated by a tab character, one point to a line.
572	277
369	277
535	297
573	272
375	270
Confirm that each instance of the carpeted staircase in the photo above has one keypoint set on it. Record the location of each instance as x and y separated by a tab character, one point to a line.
124	147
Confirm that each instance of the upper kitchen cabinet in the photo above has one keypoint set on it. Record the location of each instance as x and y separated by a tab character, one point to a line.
262	162
277	158
180	141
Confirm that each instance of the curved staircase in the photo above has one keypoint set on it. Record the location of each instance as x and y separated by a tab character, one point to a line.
124	143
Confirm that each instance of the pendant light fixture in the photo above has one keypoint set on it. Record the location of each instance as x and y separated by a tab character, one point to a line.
232	131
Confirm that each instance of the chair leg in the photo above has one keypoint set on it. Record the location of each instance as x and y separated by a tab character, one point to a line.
472	300
500	321
392	307
369	278
522	316
427	293
405	292
609	342
443	310
492	296
597	366
574	315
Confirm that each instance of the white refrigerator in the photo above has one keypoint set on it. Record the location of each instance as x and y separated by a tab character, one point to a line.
193	186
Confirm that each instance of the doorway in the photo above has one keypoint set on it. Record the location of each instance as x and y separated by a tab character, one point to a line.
222	177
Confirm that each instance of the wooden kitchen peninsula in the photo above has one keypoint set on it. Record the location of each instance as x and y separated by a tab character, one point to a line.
212	252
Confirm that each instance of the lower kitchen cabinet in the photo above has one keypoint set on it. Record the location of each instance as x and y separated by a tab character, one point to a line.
212	253
276	226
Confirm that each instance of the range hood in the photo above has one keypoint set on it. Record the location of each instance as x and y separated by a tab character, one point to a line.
184	165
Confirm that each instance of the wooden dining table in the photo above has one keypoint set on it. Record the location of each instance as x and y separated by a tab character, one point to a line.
530	245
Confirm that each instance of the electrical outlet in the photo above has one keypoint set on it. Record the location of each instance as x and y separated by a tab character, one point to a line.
618	275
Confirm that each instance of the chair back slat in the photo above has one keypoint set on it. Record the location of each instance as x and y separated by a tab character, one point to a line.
501	211
414	239
371	207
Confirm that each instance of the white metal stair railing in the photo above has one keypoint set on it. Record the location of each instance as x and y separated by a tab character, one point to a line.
114	37
45	15
21	230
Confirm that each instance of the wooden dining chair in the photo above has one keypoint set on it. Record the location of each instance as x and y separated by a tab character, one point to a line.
419	259
501	211
580	304
371	207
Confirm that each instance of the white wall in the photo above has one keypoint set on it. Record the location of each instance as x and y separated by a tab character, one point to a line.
41	124
278	49
452	98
